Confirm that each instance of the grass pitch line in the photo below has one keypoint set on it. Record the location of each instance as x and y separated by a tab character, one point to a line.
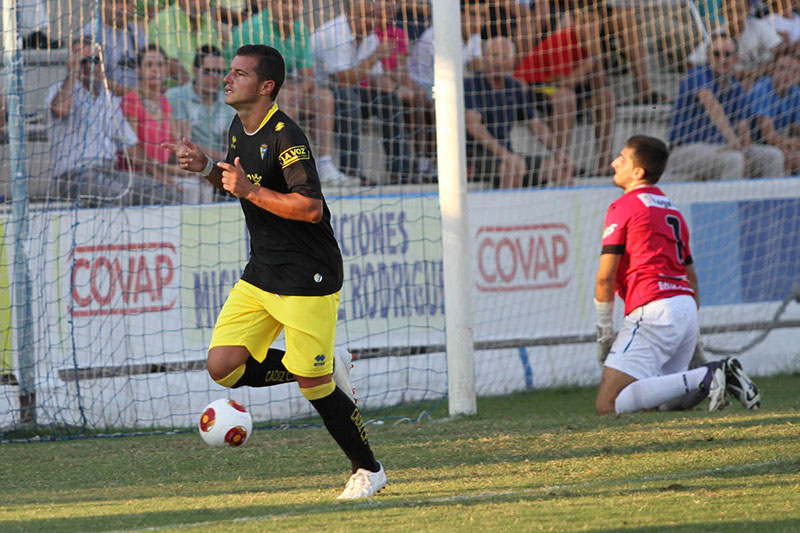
483	495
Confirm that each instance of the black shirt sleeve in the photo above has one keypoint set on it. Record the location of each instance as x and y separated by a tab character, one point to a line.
297	163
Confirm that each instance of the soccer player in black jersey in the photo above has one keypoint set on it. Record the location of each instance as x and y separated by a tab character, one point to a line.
293	278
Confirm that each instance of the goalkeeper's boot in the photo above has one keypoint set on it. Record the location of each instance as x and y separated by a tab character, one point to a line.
713	386
342	363
741	386
364	484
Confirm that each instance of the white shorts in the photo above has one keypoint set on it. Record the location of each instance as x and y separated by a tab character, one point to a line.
656	339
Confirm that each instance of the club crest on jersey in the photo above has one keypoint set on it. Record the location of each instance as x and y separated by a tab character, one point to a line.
609	230
293	155
264	149
279	126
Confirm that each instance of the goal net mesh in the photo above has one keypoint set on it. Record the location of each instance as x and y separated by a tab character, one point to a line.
114	264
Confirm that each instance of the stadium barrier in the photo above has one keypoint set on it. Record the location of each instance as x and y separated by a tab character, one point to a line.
126	300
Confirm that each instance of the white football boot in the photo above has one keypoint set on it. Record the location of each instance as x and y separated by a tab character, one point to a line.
364	484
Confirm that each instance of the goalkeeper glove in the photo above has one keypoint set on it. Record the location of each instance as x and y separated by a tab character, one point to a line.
605	329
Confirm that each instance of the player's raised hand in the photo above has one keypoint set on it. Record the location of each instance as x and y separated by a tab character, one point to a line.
234	178
189	155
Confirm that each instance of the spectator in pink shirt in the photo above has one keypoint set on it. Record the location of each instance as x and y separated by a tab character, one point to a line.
150	115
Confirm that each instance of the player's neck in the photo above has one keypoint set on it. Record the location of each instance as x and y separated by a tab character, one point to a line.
252	117
637	185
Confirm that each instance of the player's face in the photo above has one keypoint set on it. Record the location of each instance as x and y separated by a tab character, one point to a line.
91	71
624	168
471	19
241	83
722	56
153	68
498	60
209	75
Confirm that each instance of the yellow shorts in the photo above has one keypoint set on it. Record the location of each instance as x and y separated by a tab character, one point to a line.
254	318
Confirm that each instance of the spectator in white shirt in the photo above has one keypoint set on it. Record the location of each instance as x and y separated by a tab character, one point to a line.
346	52
756	41
86	129
784	20
120	38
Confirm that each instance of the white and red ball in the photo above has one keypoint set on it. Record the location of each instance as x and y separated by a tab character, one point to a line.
225	422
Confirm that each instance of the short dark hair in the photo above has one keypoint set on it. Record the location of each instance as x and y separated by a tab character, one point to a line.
649	153
152	47
270	64
83	40
206	50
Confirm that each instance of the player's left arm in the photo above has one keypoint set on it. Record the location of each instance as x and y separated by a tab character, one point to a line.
606	274
292	206
604	303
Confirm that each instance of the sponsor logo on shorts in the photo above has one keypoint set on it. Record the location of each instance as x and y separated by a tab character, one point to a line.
293	155
319	360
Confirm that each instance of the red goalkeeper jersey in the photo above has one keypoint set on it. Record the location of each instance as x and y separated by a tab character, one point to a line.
646	228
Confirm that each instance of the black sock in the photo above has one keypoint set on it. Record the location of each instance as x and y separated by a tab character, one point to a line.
343	421
269	372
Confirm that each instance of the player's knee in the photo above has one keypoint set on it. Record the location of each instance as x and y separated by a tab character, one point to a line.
223	364
604	405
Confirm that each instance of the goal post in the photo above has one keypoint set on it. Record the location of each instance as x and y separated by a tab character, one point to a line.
448	91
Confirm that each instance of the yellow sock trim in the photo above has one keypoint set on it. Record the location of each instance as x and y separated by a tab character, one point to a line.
320	391
231	379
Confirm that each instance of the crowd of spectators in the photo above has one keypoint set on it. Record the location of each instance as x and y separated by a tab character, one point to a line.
142	74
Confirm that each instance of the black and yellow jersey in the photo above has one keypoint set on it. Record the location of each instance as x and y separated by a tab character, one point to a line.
287	257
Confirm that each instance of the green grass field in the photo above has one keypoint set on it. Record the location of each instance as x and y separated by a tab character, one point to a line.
528	462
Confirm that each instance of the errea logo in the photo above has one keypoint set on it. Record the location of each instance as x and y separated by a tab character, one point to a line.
319	360
609	230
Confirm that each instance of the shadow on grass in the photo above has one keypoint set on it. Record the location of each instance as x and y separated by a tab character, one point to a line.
235	517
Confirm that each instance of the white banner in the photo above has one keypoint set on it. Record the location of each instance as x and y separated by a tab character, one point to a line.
139	289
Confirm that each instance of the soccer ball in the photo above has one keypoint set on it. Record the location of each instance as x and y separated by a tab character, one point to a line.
225	422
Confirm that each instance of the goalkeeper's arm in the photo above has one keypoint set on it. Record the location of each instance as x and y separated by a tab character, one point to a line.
604	303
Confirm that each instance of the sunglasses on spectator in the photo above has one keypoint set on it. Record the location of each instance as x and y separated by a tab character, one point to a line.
87	60
723	53
210	71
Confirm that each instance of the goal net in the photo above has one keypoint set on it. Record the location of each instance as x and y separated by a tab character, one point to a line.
114	264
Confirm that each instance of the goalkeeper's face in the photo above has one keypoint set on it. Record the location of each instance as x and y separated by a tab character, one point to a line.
626	173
